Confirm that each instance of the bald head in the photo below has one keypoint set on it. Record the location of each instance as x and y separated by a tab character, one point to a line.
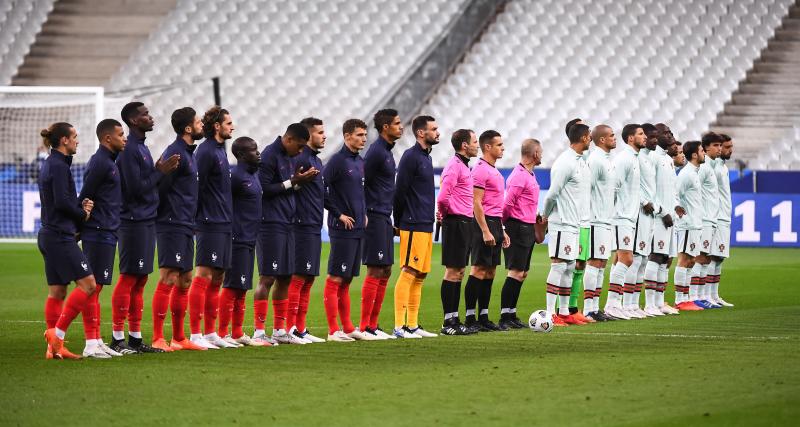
531	152
604	138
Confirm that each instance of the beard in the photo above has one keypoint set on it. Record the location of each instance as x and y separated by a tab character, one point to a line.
197	136
431	141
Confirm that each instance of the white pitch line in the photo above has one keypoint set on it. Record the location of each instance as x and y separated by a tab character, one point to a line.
630	334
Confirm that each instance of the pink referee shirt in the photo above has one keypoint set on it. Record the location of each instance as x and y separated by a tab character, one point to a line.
455	192
522	197
487	177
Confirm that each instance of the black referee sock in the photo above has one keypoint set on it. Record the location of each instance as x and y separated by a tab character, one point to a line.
455	297
447	296
484	296
509	296
516	291
471	290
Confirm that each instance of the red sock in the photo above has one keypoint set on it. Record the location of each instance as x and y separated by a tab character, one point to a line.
52	311
137	305
279	309
331	298
380	292
121	301
76	302
197	303
212	307
90	315
178	300
260	308
344	308
305	296
368	292
97	334
295	287
226	301
160	308
238	313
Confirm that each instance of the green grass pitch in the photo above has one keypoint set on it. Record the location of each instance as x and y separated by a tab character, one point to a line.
736	366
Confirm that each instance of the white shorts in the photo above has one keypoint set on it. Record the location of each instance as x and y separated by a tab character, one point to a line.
599	242
707	238
689	242
662	238
644	234
623	237
563	245
673	245
720	244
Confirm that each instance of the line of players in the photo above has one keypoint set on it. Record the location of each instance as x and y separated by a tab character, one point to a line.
271	203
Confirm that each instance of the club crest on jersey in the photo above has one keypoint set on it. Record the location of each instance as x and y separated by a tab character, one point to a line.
178	257
416	258
380	255
141	263
692	246
660	244
274	265
308	265
243	279
84	266
626	240
213	257
602	249
642	244
105	273
344	267
721	247
567	249
706	244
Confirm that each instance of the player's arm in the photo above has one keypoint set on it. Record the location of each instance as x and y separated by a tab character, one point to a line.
330	177
205	165
65	200
558	179
405	171
480	217
449	180
92	180
271	185
684	183
512	196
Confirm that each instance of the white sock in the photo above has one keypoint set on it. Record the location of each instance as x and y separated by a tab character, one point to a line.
135	334
61	334
470	312
715	287
194	337
617	278
91	343
694	289
118	335
259	333
681	273
601	274
651	279
566	283
554	279
484	311
663	278
589	285
630	279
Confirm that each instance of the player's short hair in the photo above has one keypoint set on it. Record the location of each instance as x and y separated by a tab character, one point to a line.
420	123
725	137
181	118
130	110
649	127
576	132
215	114
51	137
238	145
310	122
599	132
384	117
711	138
689	148
350	125
486	137
569	125
629	130
298	131
528	146
461	136
105	127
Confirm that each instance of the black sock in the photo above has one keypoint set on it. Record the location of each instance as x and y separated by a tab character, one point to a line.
455	297
450	293
484	296
445	293
509	295
471	290
515	295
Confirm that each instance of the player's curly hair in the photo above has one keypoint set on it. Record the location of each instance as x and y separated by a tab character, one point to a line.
215	114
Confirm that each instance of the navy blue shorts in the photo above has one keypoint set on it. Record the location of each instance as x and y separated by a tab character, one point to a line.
307	251
344	259
214	249
240	273
175	250
379	247
137	247
100	256
275	250
64	261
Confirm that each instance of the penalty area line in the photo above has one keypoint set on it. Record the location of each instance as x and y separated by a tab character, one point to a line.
718	337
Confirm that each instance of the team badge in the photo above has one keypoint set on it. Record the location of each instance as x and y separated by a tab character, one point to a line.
178	257
706	244
660	244
105	273
692	246
380	255
274	265
642	244
141	263
416	258
243	279
84	266
721	247
308	265
567	249
344	267
602	249
213	257
626	240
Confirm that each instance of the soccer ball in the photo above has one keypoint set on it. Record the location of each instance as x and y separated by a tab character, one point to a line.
540	321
